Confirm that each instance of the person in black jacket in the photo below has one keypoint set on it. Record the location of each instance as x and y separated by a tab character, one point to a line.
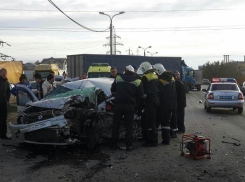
181	102
113	72
150	85
4	98
167	94
39	81
128	91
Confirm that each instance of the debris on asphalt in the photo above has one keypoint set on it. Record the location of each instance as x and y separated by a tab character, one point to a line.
122	157
200	101
122	148
236	139
235	144
205	171
200	178
136	175
62	177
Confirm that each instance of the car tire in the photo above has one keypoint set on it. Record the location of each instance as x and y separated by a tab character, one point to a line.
240	110
208	109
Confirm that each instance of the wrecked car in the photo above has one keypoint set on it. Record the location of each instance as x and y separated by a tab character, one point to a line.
76	112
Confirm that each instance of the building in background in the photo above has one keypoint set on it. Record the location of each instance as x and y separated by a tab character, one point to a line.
28	70
61	62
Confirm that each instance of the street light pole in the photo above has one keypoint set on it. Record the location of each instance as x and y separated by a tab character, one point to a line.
144	49
152	53
102	13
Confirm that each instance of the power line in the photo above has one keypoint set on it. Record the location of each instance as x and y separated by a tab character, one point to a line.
157	30
74	20
65	28
129	11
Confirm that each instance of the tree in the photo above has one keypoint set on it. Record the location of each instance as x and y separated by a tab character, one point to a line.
221	70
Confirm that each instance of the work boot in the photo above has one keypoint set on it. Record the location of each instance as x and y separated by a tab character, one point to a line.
180	132
165	136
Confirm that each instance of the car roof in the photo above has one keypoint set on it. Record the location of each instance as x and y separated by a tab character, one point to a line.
220	83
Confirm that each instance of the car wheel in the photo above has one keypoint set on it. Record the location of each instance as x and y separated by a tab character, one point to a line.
208	109
240	110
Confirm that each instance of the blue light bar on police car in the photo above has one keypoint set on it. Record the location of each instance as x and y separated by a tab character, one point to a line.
217	80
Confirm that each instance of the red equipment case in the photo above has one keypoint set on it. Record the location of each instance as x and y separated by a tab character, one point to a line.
198	146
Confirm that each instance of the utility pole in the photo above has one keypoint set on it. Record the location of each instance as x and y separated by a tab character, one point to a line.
102	13
144	48
114	43
128	51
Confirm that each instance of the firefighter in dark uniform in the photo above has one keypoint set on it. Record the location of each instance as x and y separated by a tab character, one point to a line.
181	102
4	98
167	95
128	91
150	85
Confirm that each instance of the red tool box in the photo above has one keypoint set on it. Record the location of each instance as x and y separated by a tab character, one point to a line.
198	147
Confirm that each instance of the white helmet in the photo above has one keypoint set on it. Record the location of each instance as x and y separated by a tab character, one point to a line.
130	68
159	68
145	66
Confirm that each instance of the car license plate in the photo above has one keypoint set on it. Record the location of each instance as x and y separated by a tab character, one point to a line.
38	126
225	97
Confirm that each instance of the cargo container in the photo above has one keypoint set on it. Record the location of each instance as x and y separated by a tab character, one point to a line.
78	64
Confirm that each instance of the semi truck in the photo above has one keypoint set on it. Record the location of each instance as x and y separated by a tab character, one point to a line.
80	63
192	78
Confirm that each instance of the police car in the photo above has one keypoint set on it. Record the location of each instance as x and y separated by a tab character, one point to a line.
223	93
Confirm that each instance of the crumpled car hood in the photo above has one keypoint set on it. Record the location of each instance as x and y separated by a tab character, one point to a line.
58	103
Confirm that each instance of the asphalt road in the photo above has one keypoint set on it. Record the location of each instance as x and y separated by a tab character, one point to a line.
162	163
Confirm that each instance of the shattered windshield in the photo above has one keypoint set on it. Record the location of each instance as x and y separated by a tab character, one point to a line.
58	90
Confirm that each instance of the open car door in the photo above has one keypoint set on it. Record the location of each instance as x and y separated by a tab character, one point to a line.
23	96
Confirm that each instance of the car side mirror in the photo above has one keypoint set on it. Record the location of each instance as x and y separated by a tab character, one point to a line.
204	90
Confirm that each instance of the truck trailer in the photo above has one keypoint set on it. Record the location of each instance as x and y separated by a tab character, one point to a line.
79	64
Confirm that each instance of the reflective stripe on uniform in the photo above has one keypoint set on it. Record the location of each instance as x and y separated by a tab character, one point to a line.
151	76
165	127
164	82
175	129
135	82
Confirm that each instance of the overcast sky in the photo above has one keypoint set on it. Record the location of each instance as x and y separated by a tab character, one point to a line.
196	30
